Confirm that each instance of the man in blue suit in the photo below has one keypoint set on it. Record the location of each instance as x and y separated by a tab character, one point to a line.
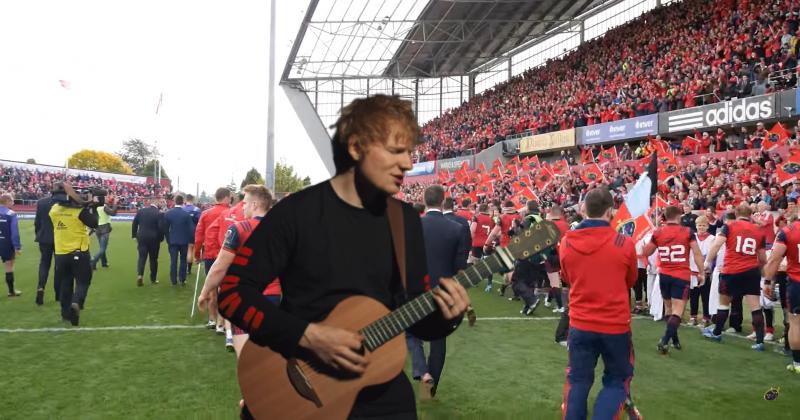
180	233
446	250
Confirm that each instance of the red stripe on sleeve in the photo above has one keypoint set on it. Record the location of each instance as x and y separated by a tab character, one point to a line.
227	286
234	306
228	300
230	279
257	320
245	251
238	260
248	316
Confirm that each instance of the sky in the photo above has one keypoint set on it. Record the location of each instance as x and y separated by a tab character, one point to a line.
208	58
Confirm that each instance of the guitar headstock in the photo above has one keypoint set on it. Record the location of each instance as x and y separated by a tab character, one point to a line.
538	237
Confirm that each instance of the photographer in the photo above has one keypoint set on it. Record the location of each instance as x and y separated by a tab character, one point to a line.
103	231
71	215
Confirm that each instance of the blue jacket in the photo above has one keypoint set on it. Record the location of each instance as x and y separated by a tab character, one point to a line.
445	246
9	229
194	211
464	229
179	227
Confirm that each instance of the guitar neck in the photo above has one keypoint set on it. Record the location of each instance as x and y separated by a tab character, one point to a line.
391	325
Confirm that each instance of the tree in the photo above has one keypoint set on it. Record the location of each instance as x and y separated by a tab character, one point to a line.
95	160
150	169
232	186
31	161
252	177
204	198
287	181
137	154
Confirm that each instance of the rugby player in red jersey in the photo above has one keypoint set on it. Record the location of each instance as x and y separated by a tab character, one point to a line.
674	242
787	243
482	224
552	264
502	229
257	201
741	274
464	211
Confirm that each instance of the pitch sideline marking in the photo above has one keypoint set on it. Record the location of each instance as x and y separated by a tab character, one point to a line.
188	327
91	329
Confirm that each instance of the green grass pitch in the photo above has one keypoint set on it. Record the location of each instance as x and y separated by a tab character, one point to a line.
499	369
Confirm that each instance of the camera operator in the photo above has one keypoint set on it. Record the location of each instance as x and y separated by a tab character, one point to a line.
71	215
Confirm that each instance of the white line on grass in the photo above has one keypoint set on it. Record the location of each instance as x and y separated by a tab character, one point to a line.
185	327
90	329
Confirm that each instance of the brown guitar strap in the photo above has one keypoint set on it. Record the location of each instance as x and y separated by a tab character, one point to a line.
394	210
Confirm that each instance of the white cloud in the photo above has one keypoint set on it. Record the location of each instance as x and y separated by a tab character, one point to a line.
209	58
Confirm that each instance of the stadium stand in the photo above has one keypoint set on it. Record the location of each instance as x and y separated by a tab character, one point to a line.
29	183
682	55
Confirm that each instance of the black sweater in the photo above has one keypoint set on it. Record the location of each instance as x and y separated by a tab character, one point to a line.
324	250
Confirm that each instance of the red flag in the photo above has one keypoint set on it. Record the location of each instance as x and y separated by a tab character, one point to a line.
788	170
592	173
444	176
521	198
495	173
497	163
487	187
635	228
522	184
532	164
691	144
474	178
586	156
511	169
776	137
481	168
661	146
473	196
543	179
667	167
561	167
461	174
608	156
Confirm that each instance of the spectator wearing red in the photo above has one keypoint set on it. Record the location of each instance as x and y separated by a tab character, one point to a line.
600	266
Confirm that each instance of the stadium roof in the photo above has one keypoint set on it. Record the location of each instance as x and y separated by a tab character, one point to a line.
345	39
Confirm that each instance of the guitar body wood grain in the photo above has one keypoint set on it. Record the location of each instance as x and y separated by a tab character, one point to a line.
269	392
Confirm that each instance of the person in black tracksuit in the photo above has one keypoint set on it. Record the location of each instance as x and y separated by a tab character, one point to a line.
148	230
43	228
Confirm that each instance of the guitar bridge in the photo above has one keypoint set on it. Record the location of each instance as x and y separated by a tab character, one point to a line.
301	383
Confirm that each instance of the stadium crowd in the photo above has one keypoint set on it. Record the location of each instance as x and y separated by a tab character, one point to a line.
699	52
32	185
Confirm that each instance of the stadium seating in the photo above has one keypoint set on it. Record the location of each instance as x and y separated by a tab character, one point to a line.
685	54
29	185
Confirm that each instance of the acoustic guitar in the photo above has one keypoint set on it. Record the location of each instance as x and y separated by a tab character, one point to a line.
305	388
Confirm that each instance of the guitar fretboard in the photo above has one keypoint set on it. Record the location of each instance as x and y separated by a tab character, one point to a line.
391	325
